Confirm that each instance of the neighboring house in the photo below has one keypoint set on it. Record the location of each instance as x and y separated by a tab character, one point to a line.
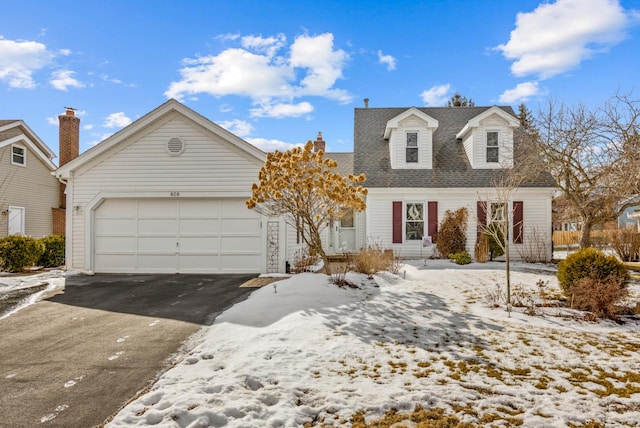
29	193
421	162
167	194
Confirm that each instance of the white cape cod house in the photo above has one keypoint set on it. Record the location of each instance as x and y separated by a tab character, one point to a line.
167	193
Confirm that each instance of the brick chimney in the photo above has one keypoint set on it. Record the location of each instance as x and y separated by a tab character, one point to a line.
366	103
69	148
319	144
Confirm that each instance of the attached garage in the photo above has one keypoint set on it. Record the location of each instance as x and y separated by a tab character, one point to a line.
177	235
167	194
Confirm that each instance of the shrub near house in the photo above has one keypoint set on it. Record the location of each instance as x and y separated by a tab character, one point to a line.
18	253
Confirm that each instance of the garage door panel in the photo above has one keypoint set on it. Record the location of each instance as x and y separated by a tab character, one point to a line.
157	263
240	243
157	226
195	208
236	208
199	244
158	208
116	262
116	244
199	262
115	226
199	226
157	244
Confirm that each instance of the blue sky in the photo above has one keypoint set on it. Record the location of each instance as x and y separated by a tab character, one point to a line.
277	72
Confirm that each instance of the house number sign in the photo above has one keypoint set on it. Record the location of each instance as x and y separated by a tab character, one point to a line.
175	194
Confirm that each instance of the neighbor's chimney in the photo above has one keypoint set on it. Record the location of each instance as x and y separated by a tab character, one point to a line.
319	144
366	103
69	143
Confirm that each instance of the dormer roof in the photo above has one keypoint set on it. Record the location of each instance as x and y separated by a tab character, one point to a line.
394	123
474	122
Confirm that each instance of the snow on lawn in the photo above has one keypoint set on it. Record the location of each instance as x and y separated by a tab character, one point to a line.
308	350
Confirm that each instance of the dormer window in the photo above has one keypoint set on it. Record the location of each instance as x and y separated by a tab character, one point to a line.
493	149
411	147
18	155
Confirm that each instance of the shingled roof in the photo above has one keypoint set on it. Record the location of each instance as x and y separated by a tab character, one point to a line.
451	167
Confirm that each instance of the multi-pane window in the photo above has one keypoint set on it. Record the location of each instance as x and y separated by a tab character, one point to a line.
17	155
412	147
346	218
492	146
498	212
414	223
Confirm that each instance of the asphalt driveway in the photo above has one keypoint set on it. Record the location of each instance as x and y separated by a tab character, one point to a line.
74	359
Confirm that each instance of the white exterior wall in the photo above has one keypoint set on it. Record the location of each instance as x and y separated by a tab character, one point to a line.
468	149
379	215
140	167
397	144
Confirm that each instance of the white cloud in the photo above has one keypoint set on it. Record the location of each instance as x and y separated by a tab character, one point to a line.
387	60
267	45
522	92
261	71
19	60
233	72
239	127
116	120
63	80
557	37
272	145
52	120
100	139
282	110
88	127
65	52
436	95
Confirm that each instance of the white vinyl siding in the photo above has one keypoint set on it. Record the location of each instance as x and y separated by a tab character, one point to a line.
31	186
536	216
210	168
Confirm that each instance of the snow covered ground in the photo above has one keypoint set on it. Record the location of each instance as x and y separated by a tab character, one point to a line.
305	350
19	291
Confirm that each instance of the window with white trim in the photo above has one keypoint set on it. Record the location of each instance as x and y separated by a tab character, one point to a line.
411	148
414	221
493	150
18	155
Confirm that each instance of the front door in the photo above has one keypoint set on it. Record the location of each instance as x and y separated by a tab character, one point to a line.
346	236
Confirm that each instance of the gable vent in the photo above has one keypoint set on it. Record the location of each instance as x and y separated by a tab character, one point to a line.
175	146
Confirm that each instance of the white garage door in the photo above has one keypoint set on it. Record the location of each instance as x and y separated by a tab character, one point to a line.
177	235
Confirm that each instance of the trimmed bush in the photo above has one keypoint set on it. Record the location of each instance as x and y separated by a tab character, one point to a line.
452	232
17	253
53	255
462	258
590	263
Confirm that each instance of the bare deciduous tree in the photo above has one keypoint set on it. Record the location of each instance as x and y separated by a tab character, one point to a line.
593	155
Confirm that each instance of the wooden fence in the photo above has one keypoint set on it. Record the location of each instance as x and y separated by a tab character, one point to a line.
561	237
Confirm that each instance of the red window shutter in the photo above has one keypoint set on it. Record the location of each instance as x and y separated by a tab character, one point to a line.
482	216
397	222
433	220
518	225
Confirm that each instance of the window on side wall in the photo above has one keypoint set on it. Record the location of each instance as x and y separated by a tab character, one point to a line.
492	146
412	147
414	223
18	155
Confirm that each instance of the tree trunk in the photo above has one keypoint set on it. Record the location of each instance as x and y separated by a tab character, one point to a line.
585	237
